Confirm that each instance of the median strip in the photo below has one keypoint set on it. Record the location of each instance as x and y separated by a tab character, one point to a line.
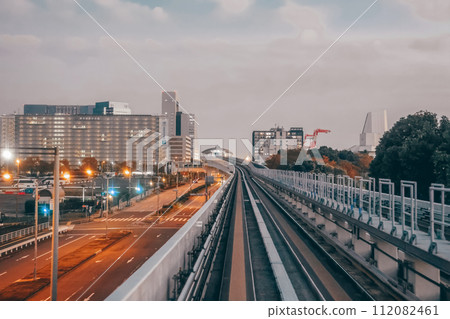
27	287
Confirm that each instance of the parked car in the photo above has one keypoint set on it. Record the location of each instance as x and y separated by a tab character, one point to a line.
24	183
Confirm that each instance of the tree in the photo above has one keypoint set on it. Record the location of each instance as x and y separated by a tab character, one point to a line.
65	166
416	149
441	157
89	163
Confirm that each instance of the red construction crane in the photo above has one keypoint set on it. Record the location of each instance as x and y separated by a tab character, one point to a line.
310	140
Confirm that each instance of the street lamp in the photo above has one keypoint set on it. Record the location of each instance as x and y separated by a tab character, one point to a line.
6	154
89	172
17	192
33	151
128	173
36	218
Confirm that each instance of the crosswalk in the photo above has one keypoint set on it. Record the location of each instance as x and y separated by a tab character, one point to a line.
122	219
177	219
172	219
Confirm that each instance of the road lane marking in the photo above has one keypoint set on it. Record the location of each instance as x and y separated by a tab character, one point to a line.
88	298
98	261
129	260
48	252
73	294
48	298
157	236
22	258
93	236
126	250
3	273
69	238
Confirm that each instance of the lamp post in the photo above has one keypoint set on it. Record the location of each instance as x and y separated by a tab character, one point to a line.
33	151
89	172
128	173
17	192
36	208
107	177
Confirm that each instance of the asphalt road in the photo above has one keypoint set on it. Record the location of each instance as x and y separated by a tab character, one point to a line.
98	277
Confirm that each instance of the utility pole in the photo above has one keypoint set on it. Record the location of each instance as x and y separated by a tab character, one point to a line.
36	207
54	273
107	205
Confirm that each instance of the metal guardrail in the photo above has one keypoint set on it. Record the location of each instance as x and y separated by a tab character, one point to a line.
22	232
356	195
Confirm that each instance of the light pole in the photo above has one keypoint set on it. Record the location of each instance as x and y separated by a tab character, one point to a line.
33	151
54	273
107	202
176	165
89	172
128	173
36	207
17	191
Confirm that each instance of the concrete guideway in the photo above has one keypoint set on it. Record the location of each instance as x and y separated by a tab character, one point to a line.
400	265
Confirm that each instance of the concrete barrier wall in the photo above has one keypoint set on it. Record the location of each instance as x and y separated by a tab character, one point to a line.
153	280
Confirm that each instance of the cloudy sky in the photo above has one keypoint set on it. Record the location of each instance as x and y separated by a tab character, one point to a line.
230	59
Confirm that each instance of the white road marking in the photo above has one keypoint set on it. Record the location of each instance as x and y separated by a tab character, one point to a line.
48	298
98	261
3	273
157	236
93	236
129	260
69	238
88	298
48	252
22	258
73	294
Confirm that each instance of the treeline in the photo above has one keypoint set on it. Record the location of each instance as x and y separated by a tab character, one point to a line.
416	148
338	162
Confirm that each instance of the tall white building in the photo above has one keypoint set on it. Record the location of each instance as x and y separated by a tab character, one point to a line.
375	126
169	109
178	127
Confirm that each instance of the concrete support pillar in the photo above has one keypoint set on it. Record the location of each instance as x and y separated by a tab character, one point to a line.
423	288
343	236
361	247
330	226
386	264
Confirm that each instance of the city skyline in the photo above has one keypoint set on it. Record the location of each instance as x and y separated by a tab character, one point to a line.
230	60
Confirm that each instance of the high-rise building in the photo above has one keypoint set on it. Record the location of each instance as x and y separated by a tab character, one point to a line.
169	108
111	108
177	128
375	126
268	143
45	109
104	137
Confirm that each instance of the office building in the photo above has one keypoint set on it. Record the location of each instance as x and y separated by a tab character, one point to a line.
78	136
177	128
111	108
169	109
268	143
45	109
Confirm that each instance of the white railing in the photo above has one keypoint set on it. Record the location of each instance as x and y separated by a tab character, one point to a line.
382	208
21	232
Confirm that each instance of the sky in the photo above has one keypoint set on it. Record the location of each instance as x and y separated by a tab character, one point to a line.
229	60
